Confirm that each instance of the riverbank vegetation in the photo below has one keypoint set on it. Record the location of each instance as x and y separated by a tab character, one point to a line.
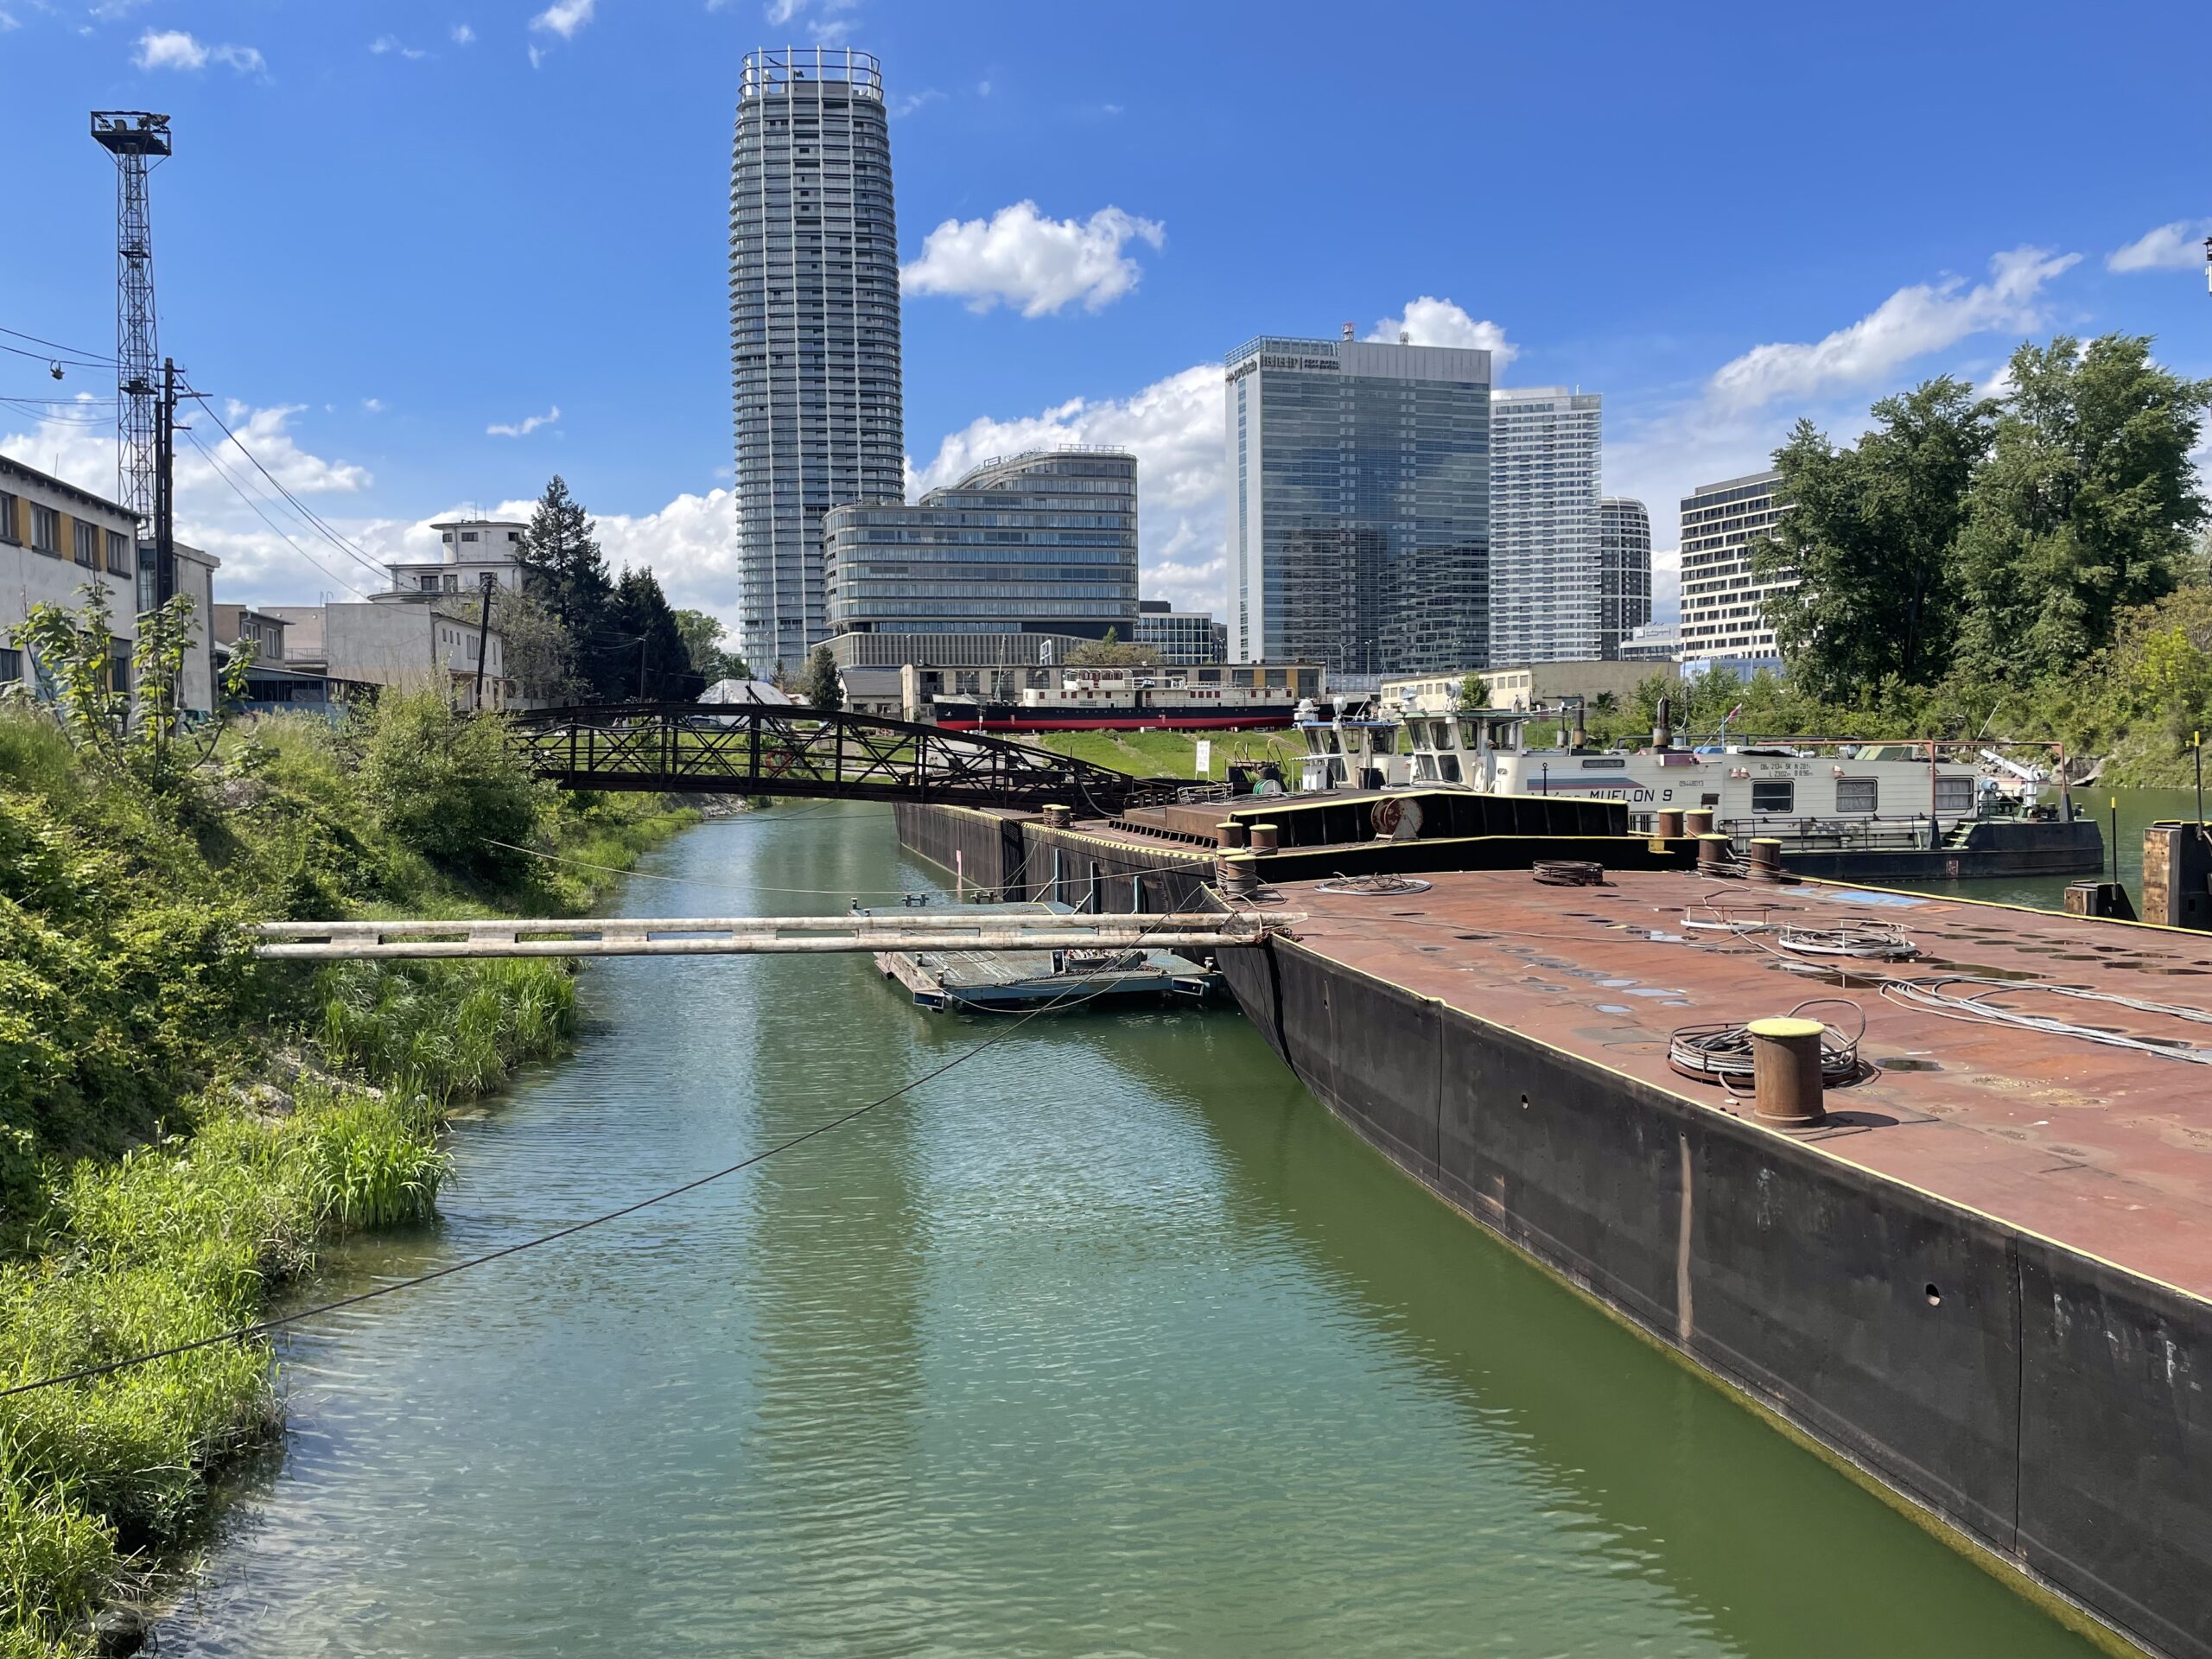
182	1125
2030	565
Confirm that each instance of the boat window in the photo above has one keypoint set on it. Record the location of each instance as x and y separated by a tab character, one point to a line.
1448	767
1468	738
1385	739
1953	795
1856	794
1773	795
1330	737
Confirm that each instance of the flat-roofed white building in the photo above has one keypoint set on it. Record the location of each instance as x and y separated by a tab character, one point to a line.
1547	542
470	549
358	645
1724	604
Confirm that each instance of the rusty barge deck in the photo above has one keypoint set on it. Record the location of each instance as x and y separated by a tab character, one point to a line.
1986	1283
1986	1280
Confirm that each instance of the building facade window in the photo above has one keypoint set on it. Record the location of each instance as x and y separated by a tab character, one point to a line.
46	531
85	540
120	554
11	665
10	530
119	663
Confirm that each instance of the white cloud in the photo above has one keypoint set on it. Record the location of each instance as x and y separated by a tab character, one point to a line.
827	23
2177	246
385	44
912	101
1173	427
524	427
1911	323
256	564
463	35
1019	257
372	405
169	48
564	17
7	22
173	48
1429	322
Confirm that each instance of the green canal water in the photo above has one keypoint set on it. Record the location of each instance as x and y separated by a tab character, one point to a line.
1110	1341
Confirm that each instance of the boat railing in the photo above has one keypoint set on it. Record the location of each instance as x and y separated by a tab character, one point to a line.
1871	832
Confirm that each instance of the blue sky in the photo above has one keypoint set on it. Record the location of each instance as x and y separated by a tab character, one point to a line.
393	228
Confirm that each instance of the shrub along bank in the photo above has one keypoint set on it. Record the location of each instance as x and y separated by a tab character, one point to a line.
181	1126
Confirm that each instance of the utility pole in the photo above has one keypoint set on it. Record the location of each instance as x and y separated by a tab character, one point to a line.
490	580
165	493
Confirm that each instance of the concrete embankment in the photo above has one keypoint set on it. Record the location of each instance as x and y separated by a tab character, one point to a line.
2003	1323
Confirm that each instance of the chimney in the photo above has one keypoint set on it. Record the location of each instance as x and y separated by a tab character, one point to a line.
1348	331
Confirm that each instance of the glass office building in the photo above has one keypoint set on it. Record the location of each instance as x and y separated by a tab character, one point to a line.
1358	505
814	329
1623	572
1043	544
1724	599
1546	560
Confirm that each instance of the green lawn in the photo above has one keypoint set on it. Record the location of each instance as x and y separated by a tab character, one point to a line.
1168	754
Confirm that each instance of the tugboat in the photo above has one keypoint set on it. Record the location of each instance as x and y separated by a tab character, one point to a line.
1345	750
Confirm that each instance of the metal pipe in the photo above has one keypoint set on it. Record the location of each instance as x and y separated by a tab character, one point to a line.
949	919
745	944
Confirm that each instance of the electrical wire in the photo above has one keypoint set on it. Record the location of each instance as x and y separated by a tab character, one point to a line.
73	361
193	438
351	550
263	1327
1929	996
88	358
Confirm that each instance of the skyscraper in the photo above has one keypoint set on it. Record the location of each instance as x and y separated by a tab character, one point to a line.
1624	572
1358	504
1545	555
814	329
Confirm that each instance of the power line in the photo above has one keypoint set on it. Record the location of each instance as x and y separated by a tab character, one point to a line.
50	357
240	491
88	356
350	549
263	1327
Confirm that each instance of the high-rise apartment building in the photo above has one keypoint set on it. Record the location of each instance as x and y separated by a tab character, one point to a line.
1724	604
1623	572
814	329
1358	504
1029	548
1546	558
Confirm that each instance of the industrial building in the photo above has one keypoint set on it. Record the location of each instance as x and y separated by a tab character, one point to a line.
814	329
361	647
1359	502
469	551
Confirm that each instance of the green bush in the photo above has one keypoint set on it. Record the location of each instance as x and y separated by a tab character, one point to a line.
448	787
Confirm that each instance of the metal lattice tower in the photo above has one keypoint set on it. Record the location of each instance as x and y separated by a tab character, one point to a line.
134	137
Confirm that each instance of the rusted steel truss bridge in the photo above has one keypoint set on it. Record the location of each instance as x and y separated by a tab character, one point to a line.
791	750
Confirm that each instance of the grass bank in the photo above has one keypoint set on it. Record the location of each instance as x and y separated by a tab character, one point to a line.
1170	754
181	1126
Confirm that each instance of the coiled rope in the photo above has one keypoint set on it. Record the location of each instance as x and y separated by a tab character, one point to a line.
1723	1052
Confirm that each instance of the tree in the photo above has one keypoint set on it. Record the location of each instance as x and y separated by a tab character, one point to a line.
1474	692
2087	508
565	572
539	656
1110	652
819	685
1870	533
653	663
450	786
702	636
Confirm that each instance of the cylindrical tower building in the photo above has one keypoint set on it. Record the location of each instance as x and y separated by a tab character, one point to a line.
814	329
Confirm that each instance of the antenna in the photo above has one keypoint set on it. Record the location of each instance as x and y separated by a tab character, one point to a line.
132	136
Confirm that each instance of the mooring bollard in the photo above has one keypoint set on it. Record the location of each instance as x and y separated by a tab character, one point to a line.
1057	816
1786	1083
1766	858
1716	855
1230	832
1697	821
1670	824
1265	838
1235	875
